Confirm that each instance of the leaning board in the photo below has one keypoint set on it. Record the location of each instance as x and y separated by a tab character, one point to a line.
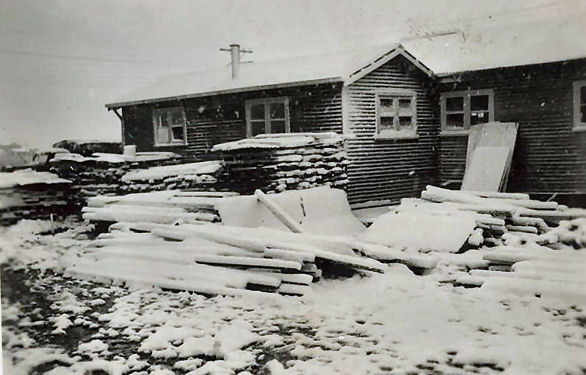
492	134
487	169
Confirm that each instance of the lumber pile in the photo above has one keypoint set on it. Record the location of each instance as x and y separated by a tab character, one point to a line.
27	194
532	271
213	258
201	176
160	207
503	218
279	162
101	174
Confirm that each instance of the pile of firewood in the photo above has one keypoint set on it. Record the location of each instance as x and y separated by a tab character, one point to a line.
279	162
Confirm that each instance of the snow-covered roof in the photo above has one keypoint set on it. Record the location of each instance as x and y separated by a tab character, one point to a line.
462	55
346	66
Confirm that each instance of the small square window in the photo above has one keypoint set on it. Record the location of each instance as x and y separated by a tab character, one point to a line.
460	110
169	124
267	115
395	114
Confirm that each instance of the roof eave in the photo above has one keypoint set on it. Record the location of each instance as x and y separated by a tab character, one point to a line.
226	91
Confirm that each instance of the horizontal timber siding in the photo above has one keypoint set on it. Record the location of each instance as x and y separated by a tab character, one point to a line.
390	169
221	118
549	155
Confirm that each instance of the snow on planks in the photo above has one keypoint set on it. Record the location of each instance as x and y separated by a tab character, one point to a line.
209	258
535	271
504	218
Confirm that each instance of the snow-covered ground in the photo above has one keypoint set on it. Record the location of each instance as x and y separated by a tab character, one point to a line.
395	323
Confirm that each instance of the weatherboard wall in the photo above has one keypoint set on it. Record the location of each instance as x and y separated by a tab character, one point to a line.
390	169
550	156
221	118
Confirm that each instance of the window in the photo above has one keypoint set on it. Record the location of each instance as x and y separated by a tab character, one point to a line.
580	105
270	115
169	124
396	114
461	109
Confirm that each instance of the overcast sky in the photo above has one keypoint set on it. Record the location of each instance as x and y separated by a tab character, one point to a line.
62	60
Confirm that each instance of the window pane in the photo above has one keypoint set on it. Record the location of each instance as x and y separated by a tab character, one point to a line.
177	132
278	126
386	104
479	103
455	104
405	103
177	118
583	95
405	121
277	110
257	111
583	113
455	120
257	127
386	123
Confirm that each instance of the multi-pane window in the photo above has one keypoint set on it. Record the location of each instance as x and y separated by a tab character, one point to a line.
460	110
396	114
266	116
169	126
580	105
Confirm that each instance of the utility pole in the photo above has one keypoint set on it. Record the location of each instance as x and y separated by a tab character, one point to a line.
235	52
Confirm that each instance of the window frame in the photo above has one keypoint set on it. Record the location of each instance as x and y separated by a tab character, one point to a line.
267	102
170	111
467	109
578	125
395	94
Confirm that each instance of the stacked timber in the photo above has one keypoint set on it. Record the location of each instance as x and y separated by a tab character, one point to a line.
28	194
504	218
101	174
213	258
532	271
278	162
159	207
202	176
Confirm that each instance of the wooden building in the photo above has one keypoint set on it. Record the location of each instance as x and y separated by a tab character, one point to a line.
382	99
547	100
405	126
